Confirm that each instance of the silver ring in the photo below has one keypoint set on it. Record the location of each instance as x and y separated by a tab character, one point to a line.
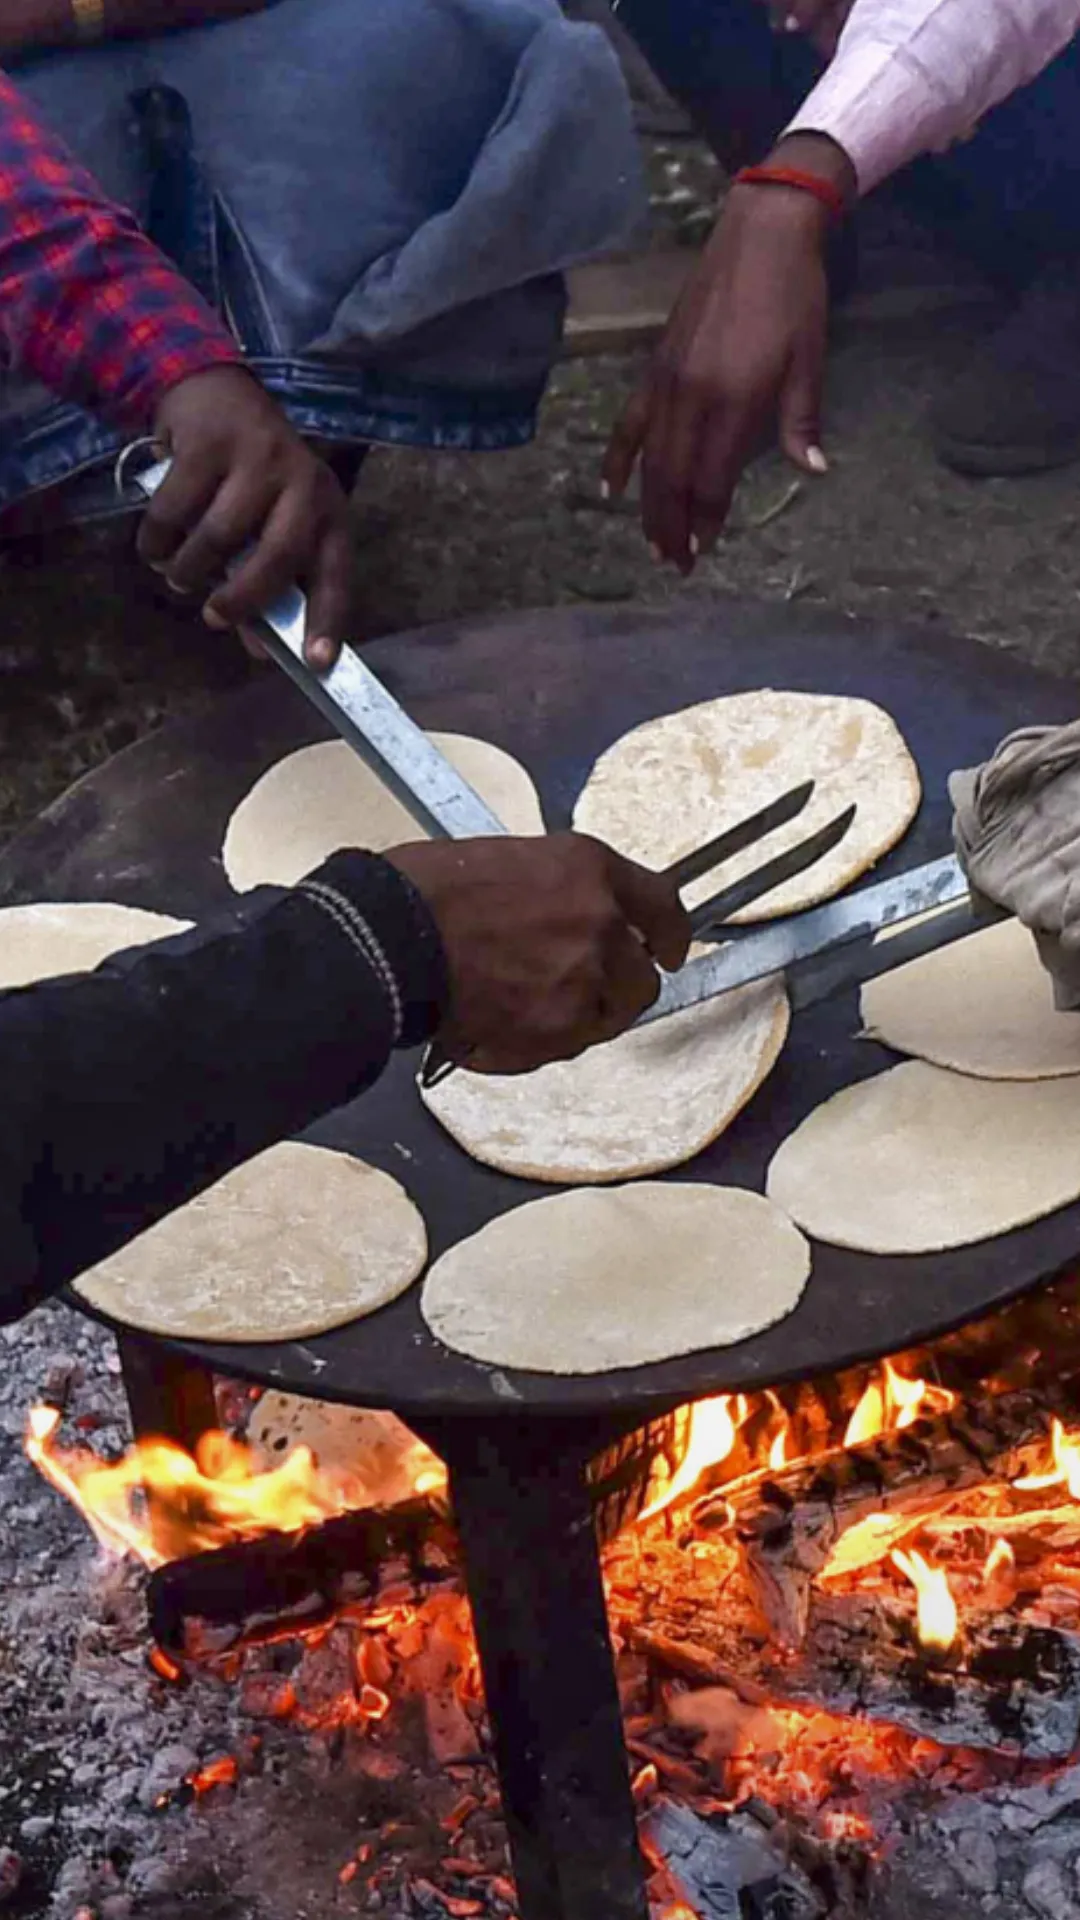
148	444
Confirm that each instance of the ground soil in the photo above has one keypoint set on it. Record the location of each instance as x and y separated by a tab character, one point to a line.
93	655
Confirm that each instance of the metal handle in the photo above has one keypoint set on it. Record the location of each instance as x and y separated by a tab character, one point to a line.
360	709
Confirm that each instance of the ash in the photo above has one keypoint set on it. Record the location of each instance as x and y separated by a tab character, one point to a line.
99	1819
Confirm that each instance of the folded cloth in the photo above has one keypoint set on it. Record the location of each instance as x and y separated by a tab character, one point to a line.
1016	829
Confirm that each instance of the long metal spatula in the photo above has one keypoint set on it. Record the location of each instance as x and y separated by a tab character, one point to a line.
835	946
360	709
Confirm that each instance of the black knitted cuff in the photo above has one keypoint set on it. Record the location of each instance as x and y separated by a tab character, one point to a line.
405	932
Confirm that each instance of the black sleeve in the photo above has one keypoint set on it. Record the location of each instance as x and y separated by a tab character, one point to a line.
125	1091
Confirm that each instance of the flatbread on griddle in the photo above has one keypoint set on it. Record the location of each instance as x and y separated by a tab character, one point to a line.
649	1100
323	798
295	1242
42	941
673	783
918	1159
984	1006
603	1278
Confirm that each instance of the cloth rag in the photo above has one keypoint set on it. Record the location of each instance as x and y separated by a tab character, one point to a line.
1016	829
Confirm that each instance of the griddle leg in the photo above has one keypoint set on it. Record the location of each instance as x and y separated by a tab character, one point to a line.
533	1570
170	1397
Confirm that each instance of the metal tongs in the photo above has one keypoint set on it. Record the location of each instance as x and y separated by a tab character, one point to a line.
707	919
712	915
819	952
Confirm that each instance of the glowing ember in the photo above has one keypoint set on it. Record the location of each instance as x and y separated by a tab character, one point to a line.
219	1773
937	1621
893	1403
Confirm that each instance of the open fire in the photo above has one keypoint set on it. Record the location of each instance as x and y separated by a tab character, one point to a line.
830	1592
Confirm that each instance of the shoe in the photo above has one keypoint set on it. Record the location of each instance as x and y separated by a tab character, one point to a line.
1015	408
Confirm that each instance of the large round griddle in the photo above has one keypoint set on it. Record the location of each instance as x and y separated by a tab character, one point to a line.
556	688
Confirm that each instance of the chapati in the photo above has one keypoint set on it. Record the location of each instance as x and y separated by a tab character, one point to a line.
372	1458
648	1100
324	798
601	1278
917	1160
297	1241
673	783
42	941
984	1006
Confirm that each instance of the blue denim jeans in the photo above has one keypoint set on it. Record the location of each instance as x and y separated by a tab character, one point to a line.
381	197
1010	191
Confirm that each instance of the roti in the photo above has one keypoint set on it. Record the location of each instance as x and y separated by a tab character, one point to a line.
603	1278
322	799
918	1160
372	1457
649	1100
674	783
295	1242
984	1006
43	941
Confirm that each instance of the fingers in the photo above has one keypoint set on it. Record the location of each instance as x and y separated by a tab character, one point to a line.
652	907
331	598
626	441
227	522
669	472
799	417
179	503
283	540
720	462
631	983
246	494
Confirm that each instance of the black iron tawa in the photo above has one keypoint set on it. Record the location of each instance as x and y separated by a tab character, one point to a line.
555	688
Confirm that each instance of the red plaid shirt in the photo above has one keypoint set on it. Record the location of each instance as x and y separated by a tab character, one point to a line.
87	305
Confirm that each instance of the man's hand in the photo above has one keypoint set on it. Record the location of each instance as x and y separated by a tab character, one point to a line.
552	943
243	478
745	349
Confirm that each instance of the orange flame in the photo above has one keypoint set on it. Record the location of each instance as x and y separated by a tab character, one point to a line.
158	1502
893	1403
1000	1559
1064	1469
937	1621
714	1429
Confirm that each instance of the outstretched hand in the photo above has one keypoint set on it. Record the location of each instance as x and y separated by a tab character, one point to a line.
743	352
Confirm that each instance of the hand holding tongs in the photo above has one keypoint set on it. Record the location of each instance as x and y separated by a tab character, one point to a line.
708	921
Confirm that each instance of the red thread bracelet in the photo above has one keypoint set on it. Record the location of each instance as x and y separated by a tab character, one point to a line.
812	183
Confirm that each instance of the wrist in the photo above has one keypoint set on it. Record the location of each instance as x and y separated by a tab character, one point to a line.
817	154
401	920
806	183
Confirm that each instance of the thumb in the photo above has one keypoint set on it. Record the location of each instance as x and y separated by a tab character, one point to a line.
800	404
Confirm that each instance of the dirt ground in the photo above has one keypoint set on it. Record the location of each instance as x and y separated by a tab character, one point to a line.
93	655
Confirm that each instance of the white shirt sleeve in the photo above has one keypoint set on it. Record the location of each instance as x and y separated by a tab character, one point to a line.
913	76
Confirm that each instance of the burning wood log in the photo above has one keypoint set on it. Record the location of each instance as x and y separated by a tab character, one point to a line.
722	1871
261	1589
788	1524
1006	1687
